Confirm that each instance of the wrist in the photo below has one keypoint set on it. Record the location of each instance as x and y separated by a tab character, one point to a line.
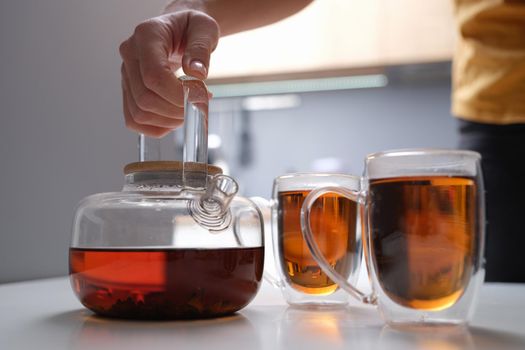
185	5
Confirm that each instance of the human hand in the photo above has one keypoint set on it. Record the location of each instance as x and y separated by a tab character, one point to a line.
153	98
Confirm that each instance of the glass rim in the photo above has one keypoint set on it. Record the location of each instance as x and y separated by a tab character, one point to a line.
314	175
422	152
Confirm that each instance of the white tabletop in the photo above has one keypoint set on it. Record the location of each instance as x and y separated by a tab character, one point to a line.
45	314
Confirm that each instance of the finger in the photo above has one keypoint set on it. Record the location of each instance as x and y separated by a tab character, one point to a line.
148	130
144	98
148	118
202	36
153	48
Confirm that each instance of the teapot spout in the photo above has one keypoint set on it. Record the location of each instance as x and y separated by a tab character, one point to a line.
211	210
219	194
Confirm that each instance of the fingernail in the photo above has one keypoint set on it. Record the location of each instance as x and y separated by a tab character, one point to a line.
198	66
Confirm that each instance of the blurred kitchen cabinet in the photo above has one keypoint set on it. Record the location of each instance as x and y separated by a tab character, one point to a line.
333	37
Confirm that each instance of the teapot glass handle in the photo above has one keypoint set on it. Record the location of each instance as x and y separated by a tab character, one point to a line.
196	101
265	207
316	251
195	147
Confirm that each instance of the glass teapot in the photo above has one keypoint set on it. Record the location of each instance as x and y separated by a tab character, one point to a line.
177	242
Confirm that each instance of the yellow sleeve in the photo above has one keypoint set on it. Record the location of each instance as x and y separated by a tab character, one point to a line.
489	61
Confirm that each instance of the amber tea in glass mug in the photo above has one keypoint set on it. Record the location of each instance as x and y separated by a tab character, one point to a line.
424	238
334	224
424	217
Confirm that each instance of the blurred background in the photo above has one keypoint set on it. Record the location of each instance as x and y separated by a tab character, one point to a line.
316	92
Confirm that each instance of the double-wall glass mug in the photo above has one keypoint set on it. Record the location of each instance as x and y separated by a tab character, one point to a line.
177	242
334	226
423	215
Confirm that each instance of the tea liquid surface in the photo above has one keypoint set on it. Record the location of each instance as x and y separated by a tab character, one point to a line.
166	283
424	238
333	223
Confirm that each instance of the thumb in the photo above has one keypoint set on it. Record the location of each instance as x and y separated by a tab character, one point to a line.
202	36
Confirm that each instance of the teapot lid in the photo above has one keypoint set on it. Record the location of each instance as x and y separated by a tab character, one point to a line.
171	165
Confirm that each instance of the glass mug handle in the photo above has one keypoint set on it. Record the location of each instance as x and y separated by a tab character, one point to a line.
316	251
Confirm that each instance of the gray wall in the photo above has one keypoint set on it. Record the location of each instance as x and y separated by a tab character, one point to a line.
347	125
62	135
